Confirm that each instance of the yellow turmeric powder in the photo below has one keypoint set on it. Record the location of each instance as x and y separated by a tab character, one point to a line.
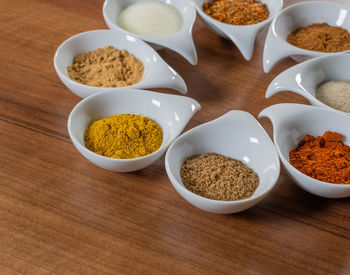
123	136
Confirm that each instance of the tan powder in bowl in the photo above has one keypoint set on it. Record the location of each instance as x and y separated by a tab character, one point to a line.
107	67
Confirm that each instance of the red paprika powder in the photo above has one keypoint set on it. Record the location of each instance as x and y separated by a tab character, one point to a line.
324	158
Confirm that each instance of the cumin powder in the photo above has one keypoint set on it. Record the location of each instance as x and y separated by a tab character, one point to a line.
218	177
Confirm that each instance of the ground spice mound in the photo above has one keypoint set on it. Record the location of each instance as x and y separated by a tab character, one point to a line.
335	94
218	177
324	158
107	67
321	38
237	12
124	136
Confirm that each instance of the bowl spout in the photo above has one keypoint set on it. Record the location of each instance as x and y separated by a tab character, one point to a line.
282	114
184	109
245	43
171	79
182	43
279	114
275	50
244	40
163	76
289	80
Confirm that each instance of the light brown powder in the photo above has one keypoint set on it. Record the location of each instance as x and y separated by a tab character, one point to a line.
321	38
218	177
107	67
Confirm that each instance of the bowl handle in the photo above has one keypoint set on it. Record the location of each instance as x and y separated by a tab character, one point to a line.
289	80
182	43
276	49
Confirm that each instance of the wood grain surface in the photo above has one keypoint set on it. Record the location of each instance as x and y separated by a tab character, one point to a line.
61	214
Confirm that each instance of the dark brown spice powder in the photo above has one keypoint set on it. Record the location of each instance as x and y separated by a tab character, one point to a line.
321	38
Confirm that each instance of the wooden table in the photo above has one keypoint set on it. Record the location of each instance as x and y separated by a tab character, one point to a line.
61	214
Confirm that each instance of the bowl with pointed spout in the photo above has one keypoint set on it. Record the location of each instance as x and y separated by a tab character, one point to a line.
238	135
157	73
298	16
291	123
304	78
243	36
180	42
170	112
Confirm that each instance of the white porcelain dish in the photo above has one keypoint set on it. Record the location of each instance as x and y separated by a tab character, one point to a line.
238	135
291	123
157	73
304	78
242	36
180	42
298	16
170	112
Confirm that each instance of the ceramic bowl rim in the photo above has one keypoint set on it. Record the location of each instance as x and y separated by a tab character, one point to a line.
162	147
84	86
319	59
220	202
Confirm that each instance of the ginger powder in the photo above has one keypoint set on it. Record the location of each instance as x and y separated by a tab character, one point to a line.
218	177
107	67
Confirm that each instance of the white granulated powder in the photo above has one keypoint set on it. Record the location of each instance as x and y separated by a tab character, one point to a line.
150	19
335	94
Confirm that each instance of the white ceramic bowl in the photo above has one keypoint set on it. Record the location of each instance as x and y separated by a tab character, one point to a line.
297	16
170	112
157	73
238	135
304	78
291	123
242	36
180	42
